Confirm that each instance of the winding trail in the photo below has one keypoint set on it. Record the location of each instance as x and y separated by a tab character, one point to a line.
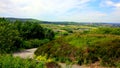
29	53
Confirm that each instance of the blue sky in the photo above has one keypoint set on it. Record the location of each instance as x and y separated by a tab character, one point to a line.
63	10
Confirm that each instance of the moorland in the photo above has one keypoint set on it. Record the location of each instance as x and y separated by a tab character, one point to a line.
64	42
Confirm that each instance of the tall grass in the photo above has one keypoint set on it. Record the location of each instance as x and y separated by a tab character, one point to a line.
8	61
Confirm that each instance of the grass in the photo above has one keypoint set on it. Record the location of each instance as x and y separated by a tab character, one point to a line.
8	61
83	40
62	30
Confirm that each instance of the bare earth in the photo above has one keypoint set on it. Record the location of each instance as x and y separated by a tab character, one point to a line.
28	53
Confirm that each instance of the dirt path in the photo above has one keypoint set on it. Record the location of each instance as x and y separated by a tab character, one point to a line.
28	53
63	65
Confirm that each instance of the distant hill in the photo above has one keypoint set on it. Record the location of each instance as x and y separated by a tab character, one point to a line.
22	19
95	24
35	20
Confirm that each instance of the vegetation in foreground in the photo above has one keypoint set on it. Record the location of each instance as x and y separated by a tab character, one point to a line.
84	49
19	35
8	61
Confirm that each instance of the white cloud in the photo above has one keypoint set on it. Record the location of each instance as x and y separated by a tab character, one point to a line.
71	10
38	7
110	3
91	16
117	5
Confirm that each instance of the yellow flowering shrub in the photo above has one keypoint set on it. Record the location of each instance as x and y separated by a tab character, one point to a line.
43	59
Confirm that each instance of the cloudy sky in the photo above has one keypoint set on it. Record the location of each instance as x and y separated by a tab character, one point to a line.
63	10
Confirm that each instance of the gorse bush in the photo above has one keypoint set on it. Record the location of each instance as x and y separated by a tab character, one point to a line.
84	49
43	59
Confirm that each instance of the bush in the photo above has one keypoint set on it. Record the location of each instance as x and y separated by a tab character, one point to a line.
17	35
33	43
56	49
108	30
52	65
87	48
8	61
10	40
108	52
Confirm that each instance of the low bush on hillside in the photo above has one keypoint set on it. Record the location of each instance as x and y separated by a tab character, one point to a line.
84	49
108	52
34	43
108	30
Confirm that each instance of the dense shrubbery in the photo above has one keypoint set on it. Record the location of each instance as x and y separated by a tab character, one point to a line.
83	49
8	61
108	30
57	49
18	35
34	43
108	52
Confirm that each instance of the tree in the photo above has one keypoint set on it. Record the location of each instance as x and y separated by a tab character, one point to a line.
9	38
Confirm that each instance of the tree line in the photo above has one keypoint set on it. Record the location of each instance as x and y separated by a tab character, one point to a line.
18	35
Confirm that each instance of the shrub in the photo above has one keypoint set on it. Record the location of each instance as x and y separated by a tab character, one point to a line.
17	35
8	61
108	52
87	48
34	43
108	30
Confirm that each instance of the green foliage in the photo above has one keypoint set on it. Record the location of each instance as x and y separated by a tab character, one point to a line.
8	61
64	30
84	49
55	49
34	43
83	40
108	30
9	38
99	44
19	35
48	33
108	52
30	30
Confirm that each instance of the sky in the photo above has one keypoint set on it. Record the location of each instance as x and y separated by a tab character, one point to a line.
63	10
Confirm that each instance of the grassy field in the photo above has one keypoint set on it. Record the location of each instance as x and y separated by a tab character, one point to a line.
81	40
63	30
